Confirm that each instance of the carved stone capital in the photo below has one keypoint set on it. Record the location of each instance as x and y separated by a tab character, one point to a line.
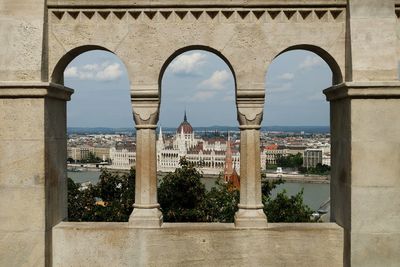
145	105
250	106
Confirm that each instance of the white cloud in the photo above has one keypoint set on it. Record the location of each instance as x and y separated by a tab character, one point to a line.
71	72
106	71
279	88
286	76
187	64
310	62
90	67
200	96
203	96
110	73
217	81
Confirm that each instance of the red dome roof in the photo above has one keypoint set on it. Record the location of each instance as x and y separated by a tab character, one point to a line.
187	128
185	125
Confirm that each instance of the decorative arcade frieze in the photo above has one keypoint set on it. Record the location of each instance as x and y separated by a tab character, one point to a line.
250	15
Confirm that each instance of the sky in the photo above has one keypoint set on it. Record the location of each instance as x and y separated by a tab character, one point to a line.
202	84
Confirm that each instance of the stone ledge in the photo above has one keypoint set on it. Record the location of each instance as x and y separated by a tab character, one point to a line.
35	90
199	226
366	90
197	244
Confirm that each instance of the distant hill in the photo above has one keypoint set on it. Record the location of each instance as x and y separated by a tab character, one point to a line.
98	130
287	129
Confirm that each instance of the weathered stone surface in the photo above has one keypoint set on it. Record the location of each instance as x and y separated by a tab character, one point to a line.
22	208
375	249
115	244
22	35
19	117
22	248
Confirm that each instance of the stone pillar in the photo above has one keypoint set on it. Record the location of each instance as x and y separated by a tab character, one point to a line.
33	185
365	179
146	212
250	105
366	137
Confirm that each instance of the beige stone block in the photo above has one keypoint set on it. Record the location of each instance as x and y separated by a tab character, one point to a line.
22	163
375	209
371	8
375	120
105	244
21	28
22	248
366	37
22	208
375	163
22	119
375	249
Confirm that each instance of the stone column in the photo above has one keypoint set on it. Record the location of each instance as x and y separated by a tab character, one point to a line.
250	103
365	178
146	212
365	125
33	185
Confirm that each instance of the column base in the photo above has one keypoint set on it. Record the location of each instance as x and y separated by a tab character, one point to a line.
146	218
250	218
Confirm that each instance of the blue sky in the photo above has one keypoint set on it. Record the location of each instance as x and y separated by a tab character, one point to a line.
201	83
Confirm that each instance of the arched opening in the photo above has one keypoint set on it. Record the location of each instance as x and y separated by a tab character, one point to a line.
296	134
100	136
197	111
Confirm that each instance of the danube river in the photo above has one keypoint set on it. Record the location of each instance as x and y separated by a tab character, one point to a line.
314	193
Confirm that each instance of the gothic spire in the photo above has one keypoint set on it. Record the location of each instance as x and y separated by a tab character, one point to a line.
184	117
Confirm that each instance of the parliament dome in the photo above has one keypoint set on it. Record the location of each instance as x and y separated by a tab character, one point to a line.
185	126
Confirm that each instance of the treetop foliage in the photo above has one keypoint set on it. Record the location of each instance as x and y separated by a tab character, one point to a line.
182	197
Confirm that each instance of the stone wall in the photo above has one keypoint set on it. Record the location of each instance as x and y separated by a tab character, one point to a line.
115	244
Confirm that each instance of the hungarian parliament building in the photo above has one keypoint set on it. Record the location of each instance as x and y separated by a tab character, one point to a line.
208	155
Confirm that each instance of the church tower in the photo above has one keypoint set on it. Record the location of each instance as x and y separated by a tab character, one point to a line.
230	174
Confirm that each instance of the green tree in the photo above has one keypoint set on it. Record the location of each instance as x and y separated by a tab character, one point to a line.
286	209
221	202
118	194
181	194
290	161
111	200
320	169
81	203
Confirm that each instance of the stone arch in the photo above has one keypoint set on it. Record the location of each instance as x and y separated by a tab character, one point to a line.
57	75
337	73
182	50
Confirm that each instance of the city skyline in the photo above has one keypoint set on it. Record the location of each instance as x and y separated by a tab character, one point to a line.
201	83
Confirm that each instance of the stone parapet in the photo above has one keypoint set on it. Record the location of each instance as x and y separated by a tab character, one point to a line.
197	244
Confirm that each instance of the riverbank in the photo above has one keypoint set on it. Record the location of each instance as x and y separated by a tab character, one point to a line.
289	178
304	179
